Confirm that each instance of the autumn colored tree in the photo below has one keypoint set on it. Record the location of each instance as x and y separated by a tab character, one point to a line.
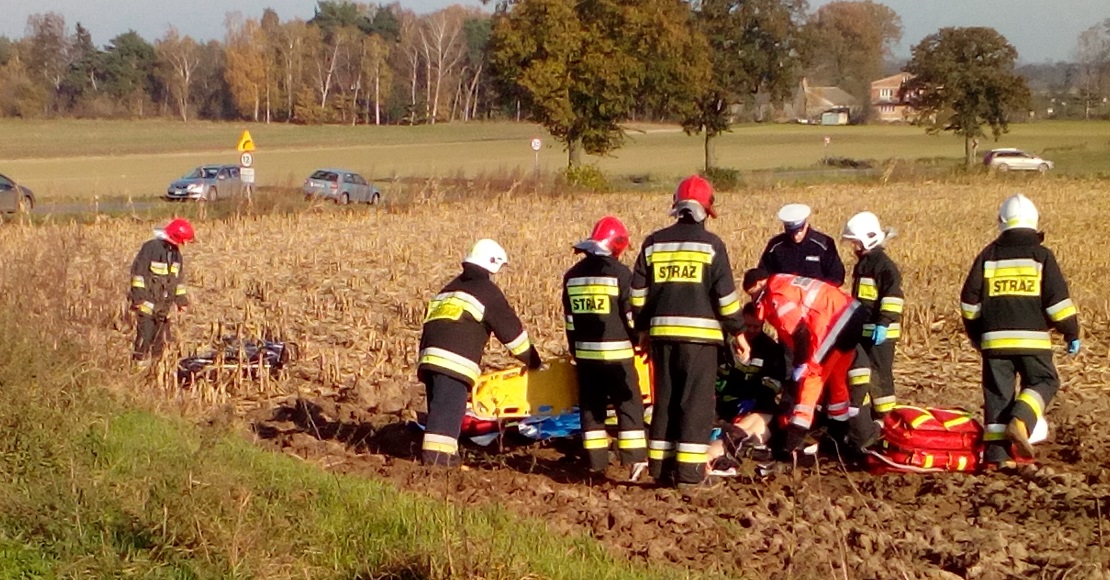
752	49
846	42
48	51
964	79
581	67
245	70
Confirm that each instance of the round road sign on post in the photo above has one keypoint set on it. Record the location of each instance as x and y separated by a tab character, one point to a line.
246	159
536	144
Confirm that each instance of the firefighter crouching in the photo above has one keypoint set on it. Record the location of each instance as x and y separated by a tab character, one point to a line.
457	325
596	303
157	287
821	325
877	284
685	303
1014	293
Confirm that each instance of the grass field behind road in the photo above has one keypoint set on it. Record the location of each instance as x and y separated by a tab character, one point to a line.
81	159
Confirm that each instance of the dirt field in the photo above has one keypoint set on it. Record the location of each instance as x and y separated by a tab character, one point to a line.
350	289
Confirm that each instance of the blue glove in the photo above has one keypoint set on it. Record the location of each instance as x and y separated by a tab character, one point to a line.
1073	346
879	336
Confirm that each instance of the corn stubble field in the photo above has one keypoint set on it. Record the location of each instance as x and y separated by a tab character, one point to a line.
349	289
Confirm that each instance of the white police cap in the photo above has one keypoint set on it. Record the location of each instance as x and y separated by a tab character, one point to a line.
794	215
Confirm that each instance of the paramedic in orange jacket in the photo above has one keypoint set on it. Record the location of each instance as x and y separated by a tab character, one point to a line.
821	325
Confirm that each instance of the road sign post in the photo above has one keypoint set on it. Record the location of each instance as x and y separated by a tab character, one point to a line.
536	146
827	141
246	164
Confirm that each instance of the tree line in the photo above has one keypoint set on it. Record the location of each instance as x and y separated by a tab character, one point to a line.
579	67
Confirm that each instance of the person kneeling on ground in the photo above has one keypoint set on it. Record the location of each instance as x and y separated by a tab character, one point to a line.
822	327
457	325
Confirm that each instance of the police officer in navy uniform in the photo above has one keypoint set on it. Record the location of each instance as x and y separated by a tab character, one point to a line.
802	250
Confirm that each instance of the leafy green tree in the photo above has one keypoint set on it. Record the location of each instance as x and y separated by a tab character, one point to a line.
846	43
581	67
82	77
964	79
753	49
128	68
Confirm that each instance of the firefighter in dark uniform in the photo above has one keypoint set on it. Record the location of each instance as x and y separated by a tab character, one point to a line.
1013	295
752	386
157	288
685	303
596	303
877	284
457	325
802	250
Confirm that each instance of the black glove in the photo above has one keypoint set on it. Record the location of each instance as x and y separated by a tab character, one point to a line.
795	439
534	361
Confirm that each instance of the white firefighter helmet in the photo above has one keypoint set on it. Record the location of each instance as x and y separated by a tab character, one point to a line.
1017	211
864	227
487	254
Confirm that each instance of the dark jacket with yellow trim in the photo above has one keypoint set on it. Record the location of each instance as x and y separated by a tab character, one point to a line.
460	319
760	379
1014	294
157	279
597	308
682	286
815	257
877	284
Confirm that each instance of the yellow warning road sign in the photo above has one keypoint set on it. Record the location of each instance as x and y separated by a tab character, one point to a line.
246	143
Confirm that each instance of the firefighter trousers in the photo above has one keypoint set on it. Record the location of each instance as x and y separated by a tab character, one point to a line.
1002	401
882	376
682	416
446	407
150	336
604	383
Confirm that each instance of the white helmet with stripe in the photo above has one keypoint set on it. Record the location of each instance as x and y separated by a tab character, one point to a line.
487	254
864	227
1016	212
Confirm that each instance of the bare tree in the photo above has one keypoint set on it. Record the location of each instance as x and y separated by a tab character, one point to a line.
443	50
179	58
1093	56
49	52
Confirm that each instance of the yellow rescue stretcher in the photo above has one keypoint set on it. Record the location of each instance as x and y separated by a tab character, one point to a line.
516	393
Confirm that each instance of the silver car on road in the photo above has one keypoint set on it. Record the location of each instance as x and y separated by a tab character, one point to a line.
14	197
206	183
341	186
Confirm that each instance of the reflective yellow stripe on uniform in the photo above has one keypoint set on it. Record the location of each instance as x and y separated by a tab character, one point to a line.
994	432
1023	267
180	291
638	297
1034	400
1062	310
596	439
570	323
970	311
634	439
448	360
593	285
892	304
692	452
729	305
893	330
607	350
698	252
160	268
1016	339
868	290
440	444
175	268
885	404
451	305
520	344
686	327
138	282
858	377
660	450
146	308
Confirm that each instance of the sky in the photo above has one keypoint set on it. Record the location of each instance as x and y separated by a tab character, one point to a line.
1041	30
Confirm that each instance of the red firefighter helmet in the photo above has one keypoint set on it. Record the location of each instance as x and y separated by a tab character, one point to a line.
694	194
609	237
179	231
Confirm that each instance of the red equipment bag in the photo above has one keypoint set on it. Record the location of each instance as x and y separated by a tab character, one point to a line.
927	440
